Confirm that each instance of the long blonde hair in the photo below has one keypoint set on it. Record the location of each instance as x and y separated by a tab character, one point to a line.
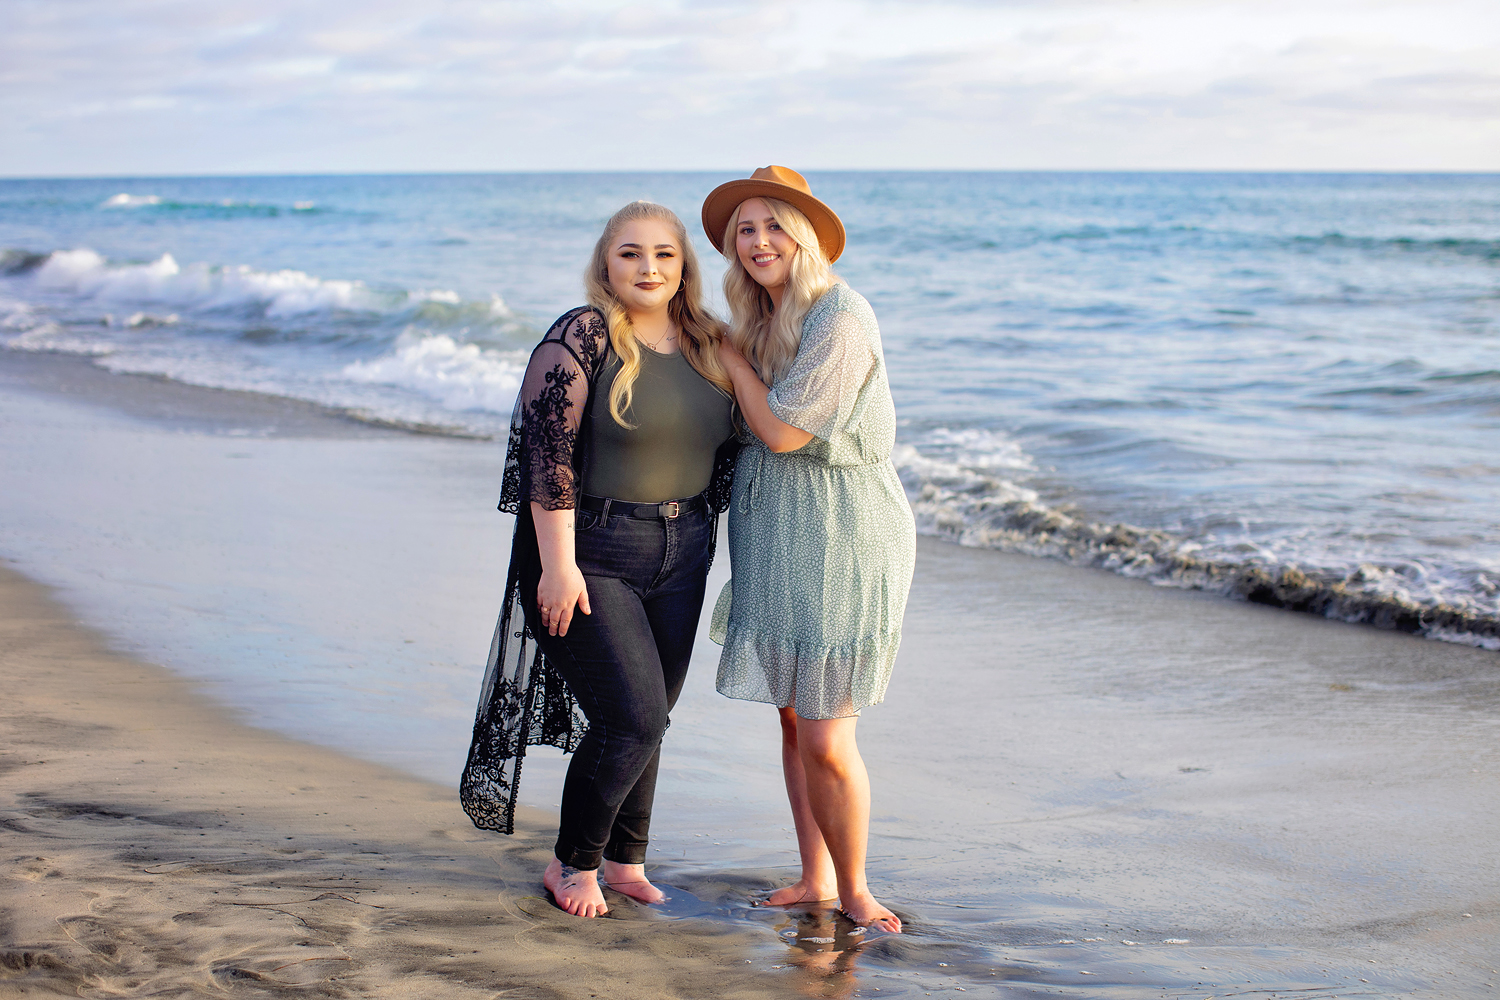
699	329
769	337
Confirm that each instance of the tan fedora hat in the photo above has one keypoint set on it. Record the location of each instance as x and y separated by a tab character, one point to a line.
783	184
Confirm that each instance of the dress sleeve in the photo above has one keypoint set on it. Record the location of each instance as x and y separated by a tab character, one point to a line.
541	462
833	363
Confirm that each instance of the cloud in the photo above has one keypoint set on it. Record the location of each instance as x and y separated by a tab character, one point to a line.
133	86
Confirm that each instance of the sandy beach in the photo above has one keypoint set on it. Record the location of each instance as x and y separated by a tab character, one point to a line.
240	638
157	847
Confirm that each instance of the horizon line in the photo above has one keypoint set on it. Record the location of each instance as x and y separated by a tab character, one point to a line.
1323	171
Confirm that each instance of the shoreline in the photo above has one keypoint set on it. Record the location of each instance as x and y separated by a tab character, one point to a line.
164	400
1016	527
157	845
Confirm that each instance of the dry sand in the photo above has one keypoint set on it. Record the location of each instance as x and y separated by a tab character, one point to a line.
157	847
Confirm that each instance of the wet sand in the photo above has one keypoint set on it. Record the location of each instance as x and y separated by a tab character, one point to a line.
1084	785
1164	789
157	847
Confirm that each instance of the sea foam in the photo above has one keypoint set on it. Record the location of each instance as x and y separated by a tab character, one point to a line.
460	377
163	281
217	208
124	200
953	481
282	332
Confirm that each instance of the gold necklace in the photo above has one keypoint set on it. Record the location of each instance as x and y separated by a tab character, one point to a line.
667	335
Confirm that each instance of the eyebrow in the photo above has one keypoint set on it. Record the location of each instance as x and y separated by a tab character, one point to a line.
637	246
769	218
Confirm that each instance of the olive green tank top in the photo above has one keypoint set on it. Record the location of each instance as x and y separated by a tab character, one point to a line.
681	420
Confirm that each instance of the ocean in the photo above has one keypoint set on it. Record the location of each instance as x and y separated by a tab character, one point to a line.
1274	389
1278	387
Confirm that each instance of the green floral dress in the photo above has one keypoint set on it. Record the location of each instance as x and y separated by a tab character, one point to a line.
821	540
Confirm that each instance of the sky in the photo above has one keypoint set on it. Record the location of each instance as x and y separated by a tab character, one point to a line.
152	87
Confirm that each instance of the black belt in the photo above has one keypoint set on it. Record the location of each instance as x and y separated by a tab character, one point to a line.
643	511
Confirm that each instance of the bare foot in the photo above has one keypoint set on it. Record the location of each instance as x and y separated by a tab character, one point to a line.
631	881
575	891
800	891
865	910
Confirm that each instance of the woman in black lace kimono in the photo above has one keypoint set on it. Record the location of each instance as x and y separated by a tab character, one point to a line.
621	438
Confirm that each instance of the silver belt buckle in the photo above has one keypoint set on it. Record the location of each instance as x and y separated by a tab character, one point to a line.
672	508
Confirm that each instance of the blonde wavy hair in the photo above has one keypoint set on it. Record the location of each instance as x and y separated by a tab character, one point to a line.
766	336
699	330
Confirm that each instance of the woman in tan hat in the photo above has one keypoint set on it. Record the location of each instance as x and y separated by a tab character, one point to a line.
820	532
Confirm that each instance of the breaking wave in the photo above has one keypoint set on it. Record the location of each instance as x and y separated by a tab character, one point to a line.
222	208
958	491
422	358
87	275
75	280
461	377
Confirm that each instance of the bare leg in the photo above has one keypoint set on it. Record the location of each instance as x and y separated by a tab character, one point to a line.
838	791
817	881
631	881
575	891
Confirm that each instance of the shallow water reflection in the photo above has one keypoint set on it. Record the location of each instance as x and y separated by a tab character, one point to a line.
821	953
822	931
825	945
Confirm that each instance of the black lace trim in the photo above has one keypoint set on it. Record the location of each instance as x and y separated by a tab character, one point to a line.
549	439
722	482
523	702
541	461
510	482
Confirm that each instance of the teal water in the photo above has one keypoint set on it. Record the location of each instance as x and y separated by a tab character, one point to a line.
1280	387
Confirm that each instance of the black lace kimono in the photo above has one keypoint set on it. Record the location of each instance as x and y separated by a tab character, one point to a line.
523	700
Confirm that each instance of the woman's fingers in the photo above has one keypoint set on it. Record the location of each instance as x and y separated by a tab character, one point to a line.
565	613
557	610
729	357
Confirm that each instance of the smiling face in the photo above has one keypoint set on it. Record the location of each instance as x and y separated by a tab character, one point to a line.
645	266
763	247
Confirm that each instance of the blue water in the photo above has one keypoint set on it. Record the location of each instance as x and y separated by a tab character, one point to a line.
1280	387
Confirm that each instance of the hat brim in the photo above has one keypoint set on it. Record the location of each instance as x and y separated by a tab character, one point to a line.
724	200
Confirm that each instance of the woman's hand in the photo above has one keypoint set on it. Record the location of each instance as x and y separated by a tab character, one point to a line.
560	590
751	393
562	586
733	361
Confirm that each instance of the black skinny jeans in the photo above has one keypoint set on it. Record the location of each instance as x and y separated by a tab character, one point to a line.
625	664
